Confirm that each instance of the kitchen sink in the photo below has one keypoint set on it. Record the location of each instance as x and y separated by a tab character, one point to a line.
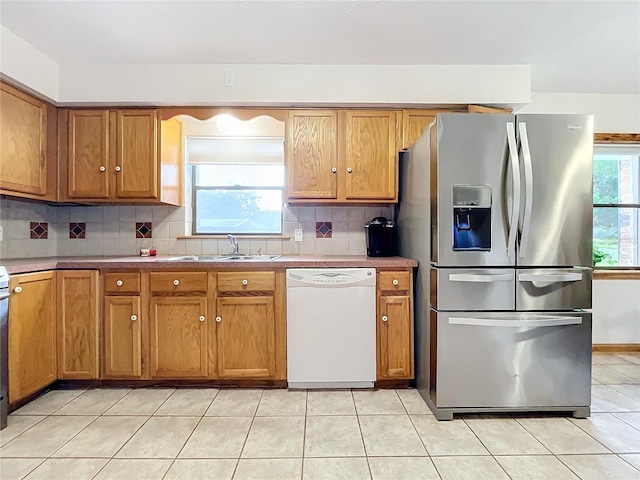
220	258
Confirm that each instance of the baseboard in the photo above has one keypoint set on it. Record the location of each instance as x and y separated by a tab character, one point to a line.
616	348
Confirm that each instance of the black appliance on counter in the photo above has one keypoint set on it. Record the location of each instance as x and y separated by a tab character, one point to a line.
382	237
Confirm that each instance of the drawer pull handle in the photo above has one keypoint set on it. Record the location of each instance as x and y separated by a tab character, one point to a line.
395	281
349	170
17	289
103	168
201	318
134	318
218	319
245	282
118	168
119	283
384	318
176	282
334	170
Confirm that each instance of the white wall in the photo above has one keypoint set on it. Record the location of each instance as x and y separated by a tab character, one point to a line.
616	311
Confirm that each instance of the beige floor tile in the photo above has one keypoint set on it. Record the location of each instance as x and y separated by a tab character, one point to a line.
269	469
632	371
405	468
599	359
93	402
219	469
330	403
235	403
46	437
68	469
275	437
17	425
632	418
612	432
134	470
611	400
561	436
606	375
505	436
447	438
143	401
596	408
103	438
217	437
378	402
333	436
160	437
633	459
49	402
188	402
631	391
17	468
535	468
390	436
631	358
597	467
413	402
281	402
355	468
469	468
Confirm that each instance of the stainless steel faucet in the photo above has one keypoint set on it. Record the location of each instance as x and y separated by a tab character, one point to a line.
234	243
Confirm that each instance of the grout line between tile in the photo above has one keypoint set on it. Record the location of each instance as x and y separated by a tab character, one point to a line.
244	444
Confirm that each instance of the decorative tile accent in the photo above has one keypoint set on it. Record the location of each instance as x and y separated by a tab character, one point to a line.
77	230
143	230
39	231
323	230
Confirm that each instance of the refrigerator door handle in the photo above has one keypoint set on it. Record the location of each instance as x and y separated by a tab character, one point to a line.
550	277
479	278
515	173
537	321
528	188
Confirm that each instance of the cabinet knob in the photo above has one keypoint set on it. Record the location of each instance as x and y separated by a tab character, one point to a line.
395	281
218	319
201	318
103	168
176	282
119	283
334	170
245	282
118	168
17	289
384	318
349	169
134	318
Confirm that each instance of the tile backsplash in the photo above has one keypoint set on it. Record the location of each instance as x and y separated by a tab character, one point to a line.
123	230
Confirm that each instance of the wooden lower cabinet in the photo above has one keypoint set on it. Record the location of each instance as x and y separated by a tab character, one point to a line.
32	334
178	337
77	307
395	355
122	336
246	337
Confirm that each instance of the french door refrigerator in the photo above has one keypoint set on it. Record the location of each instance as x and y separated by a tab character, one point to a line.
497	208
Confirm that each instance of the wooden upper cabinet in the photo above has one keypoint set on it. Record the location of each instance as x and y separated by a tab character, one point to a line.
312	155
23	142
371	154
88	168
77	324
136	156
414	123
122	336
394	337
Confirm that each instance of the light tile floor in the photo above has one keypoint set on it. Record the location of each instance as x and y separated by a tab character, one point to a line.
191	434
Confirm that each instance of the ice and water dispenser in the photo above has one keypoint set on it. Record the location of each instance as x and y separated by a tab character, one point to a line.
472	217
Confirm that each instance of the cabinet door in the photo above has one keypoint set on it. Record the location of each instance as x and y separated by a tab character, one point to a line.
77	324
178	337
136	156
88	170
312	154
32	334
23	140
414	123
394	337
122	337
371	155
246	337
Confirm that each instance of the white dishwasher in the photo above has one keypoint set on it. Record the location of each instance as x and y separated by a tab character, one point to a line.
331	327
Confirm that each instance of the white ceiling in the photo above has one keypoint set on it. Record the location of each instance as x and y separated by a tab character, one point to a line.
572	46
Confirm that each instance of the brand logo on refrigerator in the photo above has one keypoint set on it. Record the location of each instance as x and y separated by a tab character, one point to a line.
574	127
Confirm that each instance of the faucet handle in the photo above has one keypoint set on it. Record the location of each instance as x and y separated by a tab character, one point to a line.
259	250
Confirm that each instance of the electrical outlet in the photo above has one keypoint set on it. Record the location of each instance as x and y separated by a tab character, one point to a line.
228	79
298	237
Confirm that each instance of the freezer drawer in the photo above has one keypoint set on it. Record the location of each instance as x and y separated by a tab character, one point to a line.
473	289
553	289
511	360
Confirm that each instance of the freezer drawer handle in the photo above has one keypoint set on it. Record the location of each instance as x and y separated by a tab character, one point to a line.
539	321
550	277
476	278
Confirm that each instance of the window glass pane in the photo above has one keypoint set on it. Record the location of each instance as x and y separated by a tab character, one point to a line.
239	211
615	236
615	178
228	175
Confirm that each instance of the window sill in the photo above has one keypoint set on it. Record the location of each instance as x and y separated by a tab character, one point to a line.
617	273
239	237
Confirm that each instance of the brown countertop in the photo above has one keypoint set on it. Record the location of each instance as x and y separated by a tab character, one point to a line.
27	265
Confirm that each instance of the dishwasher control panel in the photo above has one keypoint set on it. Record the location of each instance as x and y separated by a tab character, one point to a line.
330	277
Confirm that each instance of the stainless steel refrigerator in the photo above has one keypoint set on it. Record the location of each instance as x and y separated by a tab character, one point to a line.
497	209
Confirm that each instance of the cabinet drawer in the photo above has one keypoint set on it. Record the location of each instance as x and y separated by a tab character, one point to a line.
178	281
122	283
246	281
393	281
